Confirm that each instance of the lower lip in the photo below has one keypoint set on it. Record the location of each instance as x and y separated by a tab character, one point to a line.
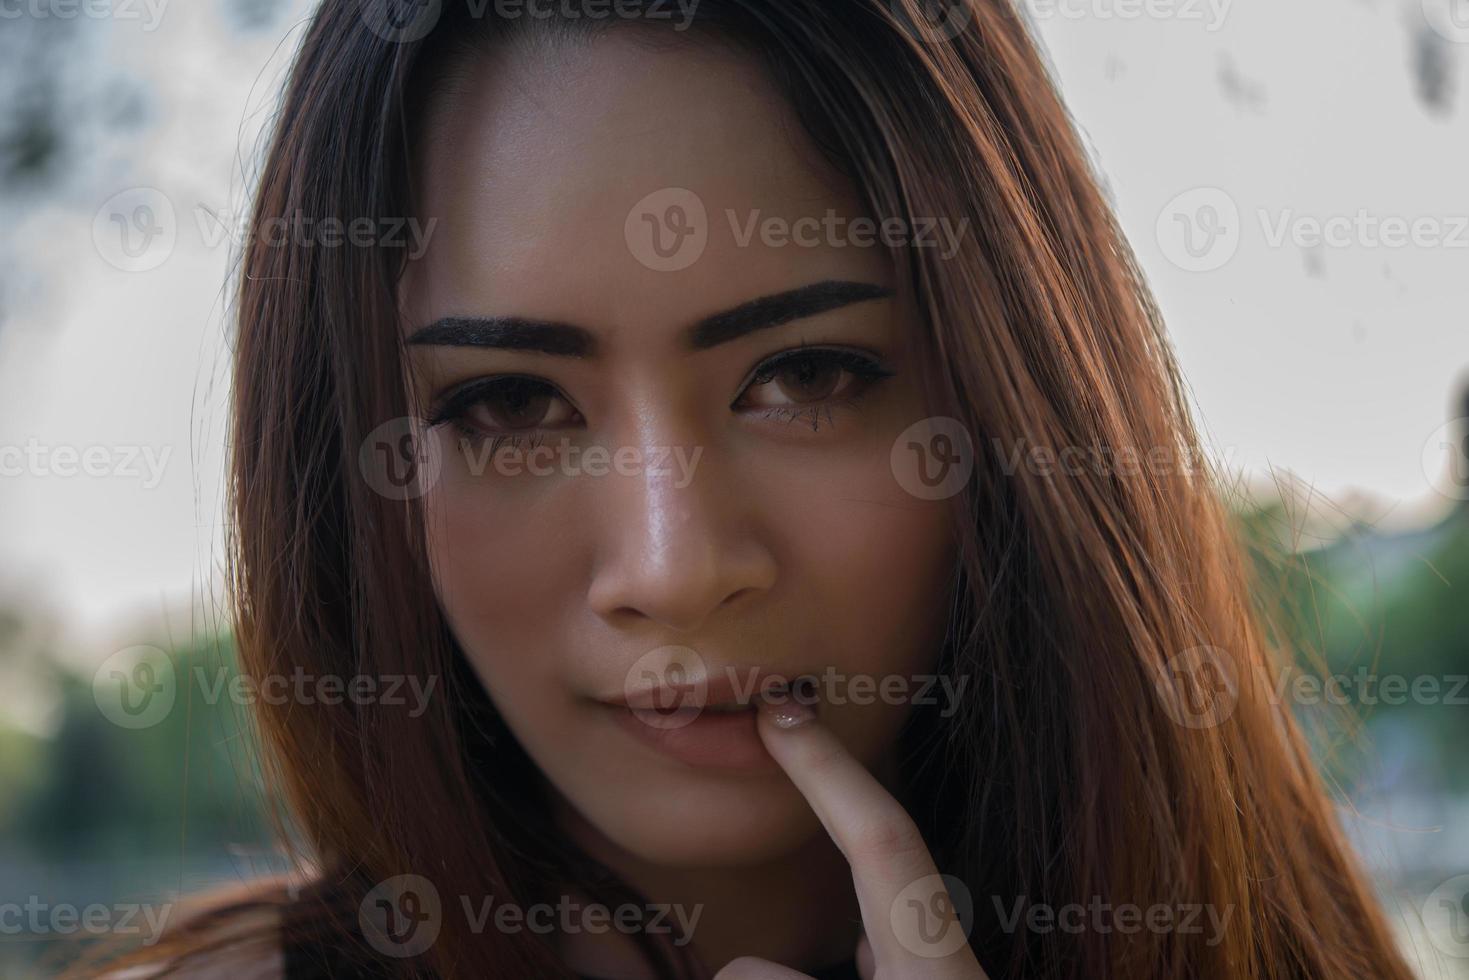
714	739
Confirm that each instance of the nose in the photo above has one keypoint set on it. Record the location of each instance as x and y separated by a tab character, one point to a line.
678	544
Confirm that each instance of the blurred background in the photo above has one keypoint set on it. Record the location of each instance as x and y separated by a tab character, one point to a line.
1292	176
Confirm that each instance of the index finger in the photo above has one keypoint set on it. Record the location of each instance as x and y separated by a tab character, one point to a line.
907	911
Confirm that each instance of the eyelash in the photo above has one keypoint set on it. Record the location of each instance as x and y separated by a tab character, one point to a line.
453	408
866	369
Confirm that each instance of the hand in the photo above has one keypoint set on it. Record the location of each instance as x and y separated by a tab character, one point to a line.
898	886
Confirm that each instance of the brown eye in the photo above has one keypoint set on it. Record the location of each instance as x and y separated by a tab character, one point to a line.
508	404
515	403
807	377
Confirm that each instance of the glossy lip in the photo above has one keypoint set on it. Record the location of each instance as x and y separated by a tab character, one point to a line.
672	719
709	740
726	685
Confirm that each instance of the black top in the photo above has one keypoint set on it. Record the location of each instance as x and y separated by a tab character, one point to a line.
311	960
842	971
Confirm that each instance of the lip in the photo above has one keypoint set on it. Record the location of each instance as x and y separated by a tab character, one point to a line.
716	740
726	685
676	721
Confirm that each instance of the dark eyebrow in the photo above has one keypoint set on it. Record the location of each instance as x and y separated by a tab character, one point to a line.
781	308
567	340
507	333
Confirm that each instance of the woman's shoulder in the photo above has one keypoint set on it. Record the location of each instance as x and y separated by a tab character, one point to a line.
258	963
234	932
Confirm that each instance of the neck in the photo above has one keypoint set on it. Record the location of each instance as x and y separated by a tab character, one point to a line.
799	910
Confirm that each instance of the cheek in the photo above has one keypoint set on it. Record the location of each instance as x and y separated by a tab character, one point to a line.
506	575
867	568
863	570
860	592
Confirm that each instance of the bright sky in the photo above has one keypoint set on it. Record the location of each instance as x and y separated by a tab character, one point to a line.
1337	363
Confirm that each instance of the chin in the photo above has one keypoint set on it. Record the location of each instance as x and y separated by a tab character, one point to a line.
705	821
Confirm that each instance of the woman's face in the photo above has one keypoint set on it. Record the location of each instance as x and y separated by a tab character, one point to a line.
649	500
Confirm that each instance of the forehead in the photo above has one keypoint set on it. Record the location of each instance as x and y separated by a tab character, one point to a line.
548	171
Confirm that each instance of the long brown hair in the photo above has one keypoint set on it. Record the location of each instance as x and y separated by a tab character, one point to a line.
1114	742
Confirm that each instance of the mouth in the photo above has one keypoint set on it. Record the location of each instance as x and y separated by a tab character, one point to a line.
709	723
727	691
722	736
728	708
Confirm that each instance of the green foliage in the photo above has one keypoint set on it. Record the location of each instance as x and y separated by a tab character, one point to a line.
1390	608
95	789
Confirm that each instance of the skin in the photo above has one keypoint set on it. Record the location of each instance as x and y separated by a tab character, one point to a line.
792	548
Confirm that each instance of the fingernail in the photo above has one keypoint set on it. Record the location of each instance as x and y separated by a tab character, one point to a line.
791	714
784	709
